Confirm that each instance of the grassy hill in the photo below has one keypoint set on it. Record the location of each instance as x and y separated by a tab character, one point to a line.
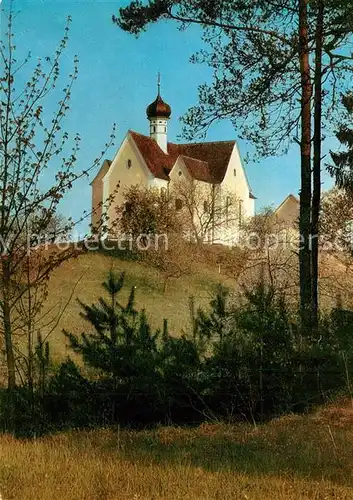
82	278
292	458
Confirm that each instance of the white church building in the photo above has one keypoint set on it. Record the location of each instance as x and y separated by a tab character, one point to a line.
151	161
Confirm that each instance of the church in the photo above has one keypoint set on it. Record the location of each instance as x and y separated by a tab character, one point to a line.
151	161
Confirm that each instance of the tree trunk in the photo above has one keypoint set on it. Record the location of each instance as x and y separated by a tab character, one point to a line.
305	191
29	307
10	357
317	161
213	212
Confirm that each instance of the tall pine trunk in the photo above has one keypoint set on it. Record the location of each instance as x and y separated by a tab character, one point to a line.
305	273
317	160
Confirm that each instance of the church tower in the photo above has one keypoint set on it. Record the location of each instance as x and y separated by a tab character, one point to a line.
158	114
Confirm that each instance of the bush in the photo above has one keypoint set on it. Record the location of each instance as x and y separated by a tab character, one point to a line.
244	361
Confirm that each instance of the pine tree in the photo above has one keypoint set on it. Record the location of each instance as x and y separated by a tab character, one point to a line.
143	375
215	324
276	67
121	344
43	362
342	168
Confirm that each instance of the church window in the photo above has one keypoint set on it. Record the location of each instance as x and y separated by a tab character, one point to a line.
129	163
205	207
180	173
235	172
153	129
178	204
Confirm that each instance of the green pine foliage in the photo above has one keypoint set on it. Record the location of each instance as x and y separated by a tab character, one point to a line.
145	373
342	167
214	325
252	363
242	360
120	343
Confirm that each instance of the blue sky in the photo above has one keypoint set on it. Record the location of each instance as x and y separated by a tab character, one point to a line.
117	80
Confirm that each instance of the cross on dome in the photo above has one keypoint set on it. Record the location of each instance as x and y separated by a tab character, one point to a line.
158	108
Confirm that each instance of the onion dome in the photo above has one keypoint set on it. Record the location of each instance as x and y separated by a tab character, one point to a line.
158	108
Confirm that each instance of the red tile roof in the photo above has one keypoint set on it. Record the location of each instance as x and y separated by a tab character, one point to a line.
198	169
207	161
156	160
216	154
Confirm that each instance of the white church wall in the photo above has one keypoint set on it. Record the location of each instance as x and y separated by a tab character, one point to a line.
126	170
235	181
158	183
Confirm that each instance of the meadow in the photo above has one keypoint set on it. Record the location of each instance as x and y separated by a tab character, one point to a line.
291	458
83	276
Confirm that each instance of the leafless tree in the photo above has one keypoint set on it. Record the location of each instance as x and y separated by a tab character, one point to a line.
32	142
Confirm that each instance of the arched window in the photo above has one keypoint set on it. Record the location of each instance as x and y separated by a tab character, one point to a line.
178	204
129	163
205	207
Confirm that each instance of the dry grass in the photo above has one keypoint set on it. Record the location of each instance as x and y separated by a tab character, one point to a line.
82	277
292	458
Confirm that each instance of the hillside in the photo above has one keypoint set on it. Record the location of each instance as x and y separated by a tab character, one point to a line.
292	458
82	277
